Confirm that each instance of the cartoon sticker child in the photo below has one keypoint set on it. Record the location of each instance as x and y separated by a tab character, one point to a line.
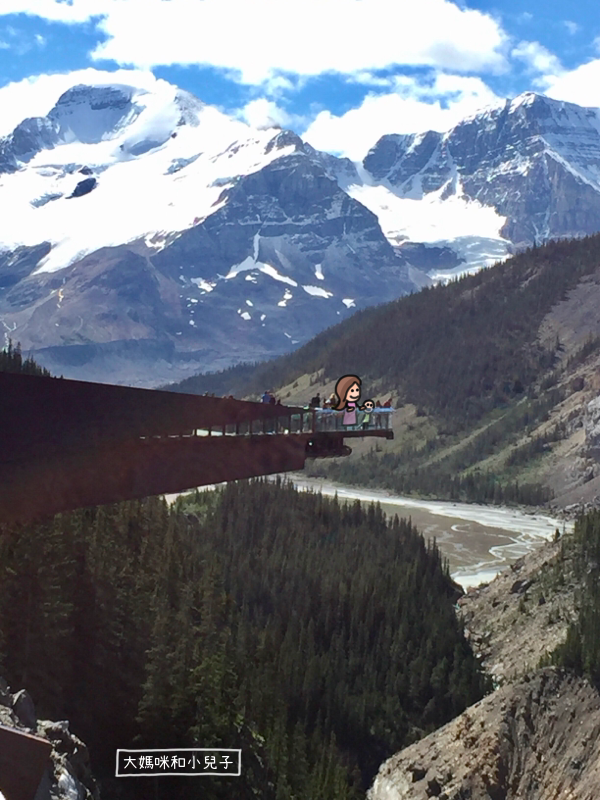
348	390
368	407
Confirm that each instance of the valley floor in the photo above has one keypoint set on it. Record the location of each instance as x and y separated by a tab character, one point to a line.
479	541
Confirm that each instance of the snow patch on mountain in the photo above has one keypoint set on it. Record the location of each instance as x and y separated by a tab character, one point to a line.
204	285
317	291
134	197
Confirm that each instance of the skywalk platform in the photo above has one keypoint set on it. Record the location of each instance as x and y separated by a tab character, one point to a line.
70	444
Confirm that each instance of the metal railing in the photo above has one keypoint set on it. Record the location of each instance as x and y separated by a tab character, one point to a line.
311	420
377	420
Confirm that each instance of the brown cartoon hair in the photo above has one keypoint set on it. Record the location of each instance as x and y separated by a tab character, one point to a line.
342	387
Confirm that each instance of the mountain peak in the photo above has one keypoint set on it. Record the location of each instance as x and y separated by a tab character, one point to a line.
526	99
97	97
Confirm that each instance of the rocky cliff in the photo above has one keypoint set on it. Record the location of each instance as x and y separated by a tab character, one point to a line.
538	739
68	776
537	736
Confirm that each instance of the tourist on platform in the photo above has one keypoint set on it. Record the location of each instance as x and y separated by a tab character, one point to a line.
388	403
272	400
266	398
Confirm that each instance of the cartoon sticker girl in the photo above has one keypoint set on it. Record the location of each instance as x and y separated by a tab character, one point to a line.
348	391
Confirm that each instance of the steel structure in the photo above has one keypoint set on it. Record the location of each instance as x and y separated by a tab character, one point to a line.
69	444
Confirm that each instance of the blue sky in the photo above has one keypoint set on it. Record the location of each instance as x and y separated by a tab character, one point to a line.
339	72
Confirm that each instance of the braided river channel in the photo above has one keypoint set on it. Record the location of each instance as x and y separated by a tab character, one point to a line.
479	541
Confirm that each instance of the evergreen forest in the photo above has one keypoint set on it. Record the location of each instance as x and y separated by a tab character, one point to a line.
11	360
318	637
581	649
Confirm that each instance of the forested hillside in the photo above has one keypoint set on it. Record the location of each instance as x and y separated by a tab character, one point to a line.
468	365
214	623
581	650
456	351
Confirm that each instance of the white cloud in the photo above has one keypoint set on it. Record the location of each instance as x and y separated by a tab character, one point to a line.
260	38
572	27
57	10
537	58
369	79
276	85
580	85
262	113
34	97
412	108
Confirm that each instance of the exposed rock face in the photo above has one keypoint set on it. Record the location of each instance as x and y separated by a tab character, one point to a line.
523	613
69	775
535	740
84	187
287	255
592	428
18	264
535	160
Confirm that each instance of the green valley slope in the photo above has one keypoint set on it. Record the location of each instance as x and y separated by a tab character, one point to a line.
491	374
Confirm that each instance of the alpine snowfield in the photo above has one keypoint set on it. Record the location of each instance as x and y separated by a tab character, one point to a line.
159	169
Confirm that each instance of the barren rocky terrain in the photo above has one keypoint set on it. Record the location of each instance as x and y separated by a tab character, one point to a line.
523	613
538	739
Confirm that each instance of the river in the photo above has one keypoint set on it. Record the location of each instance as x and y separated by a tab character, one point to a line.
478	541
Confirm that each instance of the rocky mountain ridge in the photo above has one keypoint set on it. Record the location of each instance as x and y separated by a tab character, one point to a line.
535	160
264	248
220	243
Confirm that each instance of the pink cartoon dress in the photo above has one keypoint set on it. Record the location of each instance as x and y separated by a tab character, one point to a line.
350	413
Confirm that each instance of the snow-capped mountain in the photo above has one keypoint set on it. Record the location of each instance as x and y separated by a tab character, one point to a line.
520	173
148	236
152	236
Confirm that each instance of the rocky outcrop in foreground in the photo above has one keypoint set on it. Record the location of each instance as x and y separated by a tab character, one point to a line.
68	776
538	739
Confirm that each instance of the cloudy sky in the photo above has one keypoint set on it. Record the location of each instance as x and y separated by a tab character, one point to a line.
339	72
